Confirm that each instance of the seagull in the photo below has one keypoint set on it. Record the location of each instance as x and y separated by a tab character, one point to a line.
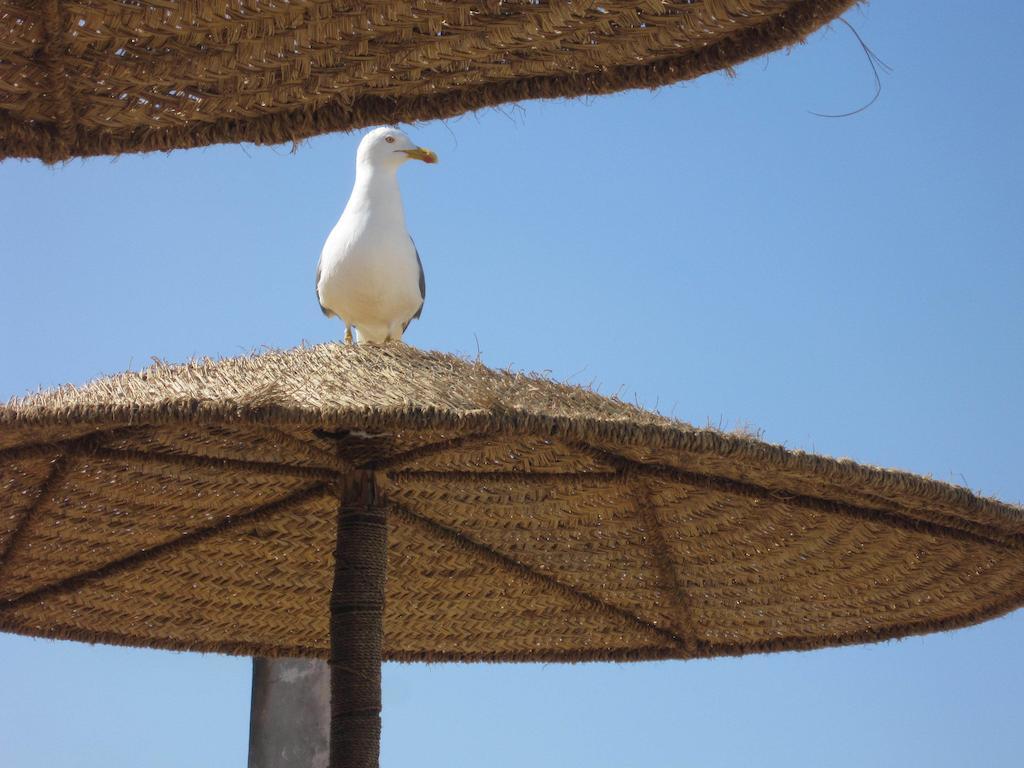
370	274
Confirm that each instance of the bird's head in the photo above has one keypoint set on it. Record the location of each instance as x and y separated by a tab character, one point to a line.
390	147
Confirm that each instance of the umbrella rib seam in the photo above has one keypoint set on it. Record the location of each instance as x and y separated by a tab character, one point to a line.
62	464
28	451
682	605
432	449
192	537
342	464
964	531
272	468
521	569
99	451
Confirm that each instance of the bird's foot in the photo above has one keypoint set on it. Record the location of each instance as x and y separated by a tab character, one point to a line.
348	334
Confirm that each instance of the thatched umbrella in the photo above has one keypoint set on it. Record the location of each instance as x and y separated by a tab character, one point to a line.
254	506
96	77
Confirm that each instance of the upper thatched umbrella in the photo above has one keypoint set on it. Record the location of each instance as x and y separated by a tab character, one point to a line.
195	507
102	77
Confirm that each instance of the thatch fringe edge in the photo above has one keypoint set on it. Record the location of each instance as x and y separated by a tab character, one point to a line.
704	650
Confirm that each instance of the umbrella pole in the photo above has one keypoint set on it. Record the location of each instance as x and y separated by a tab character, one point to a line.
356	624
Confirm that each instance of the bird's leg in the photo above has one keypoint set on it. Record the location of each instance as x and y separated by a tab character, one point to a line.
348	333
395	331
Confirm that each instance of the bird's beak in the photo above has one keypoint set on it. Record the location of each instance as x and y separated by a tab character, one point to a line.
420	154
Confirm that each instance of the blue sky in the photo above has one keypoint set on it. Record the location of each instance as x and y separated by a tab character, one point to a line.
712	250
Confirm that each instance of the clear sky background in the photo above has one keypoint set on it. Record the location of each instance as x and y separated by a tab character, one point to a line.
849	286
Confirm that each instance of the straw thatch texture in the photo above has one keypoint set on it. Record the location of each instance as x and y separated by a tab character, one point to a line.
194	507
91	77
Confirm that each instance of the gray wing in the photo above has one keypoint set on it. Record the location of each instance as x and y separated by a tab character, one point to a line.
324	309
423	288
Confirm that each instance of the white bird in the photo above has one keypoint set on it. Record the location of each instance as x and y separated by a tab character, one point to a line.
370	274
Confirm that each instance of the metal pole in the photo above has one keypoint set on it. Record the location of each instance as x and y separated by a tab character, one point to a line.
356	624
291	711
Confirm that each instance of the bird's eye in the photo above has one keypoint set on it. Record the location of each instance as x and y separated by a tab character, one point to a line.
389	139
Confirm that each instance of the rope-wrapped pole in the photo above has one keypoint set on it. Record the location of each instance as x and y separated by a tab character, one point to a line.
357	608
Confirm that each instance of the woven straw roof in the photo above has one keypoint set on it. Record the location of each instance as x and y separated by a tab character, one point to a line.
89	77
191	507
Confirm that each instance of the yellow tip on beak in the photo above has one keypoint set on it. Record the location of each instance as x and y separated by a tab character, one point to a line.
421	153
